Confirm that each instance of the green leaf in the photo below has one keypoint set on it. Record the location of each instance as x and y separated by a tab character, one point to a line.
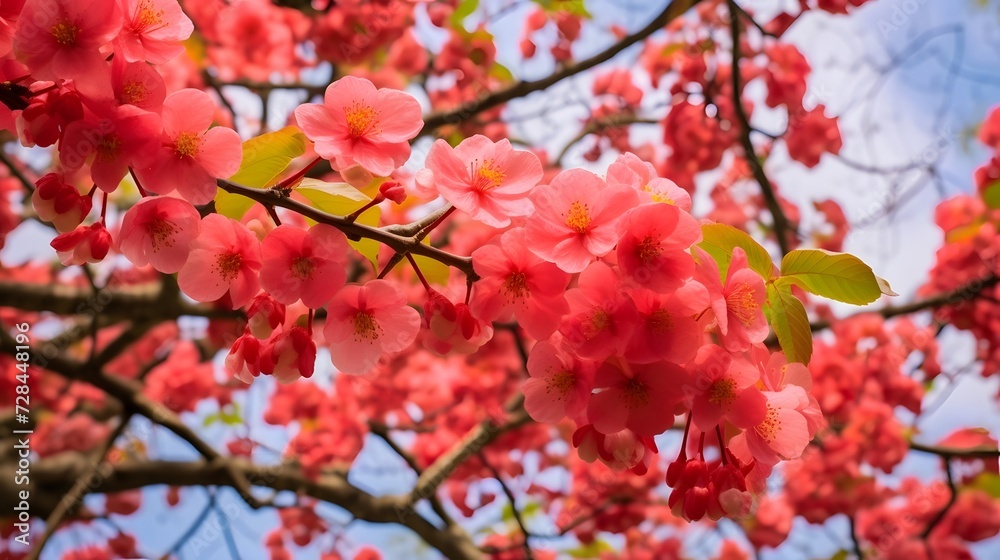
340	199
790	322
574	7
838	276
265	157
462	11
987	482
592	550
719	240
991	195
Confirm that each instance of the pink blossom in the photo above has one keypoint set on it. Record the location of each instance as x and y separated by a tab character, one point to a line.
489	181
784	432
113	138
364	323
630	171
154	30
452	327
515	283
724	388
653	248
559	386
137	83
264	315
243	360
291	354
576	219
159	231
738	305
601	317
358	123
666	329
225	257
638	397
56	201
306	265
61	40
85	244
192	155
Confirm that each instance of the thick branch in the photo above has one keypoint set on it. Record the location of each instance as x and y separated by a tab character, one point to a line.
399	243
674	9
144	302
782	227
477	438
51	478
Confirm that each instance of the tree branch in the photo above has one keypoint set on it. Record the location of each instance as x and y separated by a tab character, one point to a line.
50	477
673	10
84	484
782	227
399	243
477	438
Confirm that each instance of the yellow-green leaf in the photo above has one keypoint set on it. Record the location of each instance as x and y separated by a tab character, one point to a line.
434	271
340	199
719	240
264	158
838	276
790	322
267	155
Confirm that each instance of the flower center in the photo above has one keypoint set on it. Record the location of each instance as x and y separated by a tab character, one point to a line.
487	177
229	265
188	144
107	148
649	249
302	268
658	196
147	16
769	428
659	321
361	120
515	286
65	32
560	382
365	326
578	217
161	233
599	322
635	394
722	392
742	305
133	93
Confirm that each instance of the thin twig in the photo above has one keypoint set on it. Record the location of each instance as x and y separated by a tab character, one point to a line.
781	224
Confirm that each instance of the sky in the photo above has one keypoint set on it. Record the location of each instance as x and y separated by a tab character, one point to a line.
910	80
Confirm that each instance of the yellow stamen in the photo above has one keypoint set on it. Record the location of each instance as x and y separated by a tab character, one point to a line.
366	327
578	217
742	304
361	120
515	286
188	144
65	32
228	265
659	321
133	93
487	177
769	428
161	234
635	395
722	392
648	250
560	382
